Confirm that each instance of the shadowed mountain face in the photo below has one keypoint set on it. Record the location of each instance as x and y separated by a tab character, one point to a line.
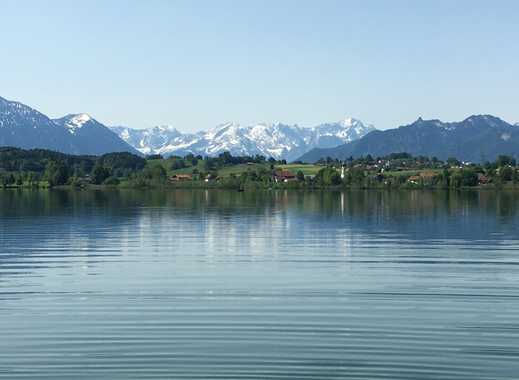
24	127
477	138
88	136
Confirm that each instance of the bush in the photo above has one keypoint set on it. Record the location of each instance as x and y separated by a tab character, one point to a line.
155	172
506	173
328	176
464	177
111	181
100	174
56	173
121	160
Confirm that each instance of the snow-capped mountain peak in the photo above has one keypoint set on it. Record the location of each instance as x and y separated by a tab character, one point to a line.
349	122
166	129
24	127
73	122
223	129
347	130
81	118
276	140
356	124
12	112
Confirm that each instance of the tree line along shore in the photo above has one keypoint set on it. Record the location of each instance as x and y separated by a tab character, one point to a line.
38	168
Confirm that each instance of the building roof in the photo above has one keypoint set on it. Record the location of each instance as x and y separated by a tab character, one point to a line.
181	176
284	174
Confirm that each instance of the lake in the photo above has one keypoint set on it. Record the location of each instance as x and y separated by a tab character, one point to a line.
261	285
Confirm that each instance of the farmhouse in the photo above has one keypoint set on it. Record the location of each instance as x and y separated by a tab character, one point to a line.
415	179
181	177
284	176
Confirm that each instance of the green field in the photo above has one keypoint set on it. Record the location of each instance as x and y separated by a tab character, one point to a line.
307	169
241	168
408	173
166	164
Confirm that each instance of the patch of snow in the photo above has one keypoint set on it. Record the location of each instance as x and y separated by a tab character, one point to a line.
76	122
276	140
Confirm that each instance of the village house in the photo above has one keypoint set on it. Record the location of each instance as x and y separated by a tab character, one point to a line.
210	178
414	179
181	177
284	176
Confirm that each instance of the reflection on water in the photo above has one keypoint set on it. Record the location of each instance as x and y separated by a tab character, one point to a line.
218	284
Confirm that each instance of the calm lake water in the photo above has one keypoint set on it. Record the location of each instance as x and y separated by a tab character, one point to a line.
273	285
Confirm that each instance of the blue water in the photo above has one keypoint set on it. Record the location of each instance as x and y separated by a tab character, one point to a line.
273	285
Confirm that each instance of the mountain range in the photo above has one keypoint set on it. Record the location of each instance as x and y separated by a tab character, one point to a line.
24	127
477	138
278	140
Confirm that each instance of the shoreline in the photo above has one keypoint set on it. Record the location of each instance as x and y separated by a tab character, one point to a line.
169	187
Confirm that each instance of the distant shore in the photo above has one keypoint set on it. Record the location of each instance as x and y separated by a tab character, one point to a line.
398	171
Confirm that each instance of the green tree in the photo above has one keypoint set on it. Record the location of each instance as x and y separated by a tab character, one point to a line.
99	174
506	173
464	177
451	161
328	177
208	164
177	163
155	173
503	160
111	181
11	180
19	179
56	173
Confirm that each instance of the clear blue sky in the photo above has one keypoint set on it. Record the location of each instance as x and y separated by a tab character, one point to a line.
194	64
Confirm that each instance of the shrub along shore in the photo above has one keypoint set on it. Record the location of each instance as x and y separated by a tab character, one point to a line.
39	168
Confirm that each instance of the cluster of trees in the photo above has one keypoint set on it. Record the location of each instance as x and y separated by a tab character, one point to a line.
210	164
19	167
264	177
38	167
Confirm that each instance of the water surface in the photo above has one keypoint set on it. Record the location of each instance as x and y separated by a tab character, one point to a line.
267	285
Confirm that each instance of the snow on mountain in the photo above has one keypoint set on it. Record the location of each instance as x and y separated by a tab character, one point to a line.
334	134
24	127
15	114
88	136
150	141
476	139
74	122
276	140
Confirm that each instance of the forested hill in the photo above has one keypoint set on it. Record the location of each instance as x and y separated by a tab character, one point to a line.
36	164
